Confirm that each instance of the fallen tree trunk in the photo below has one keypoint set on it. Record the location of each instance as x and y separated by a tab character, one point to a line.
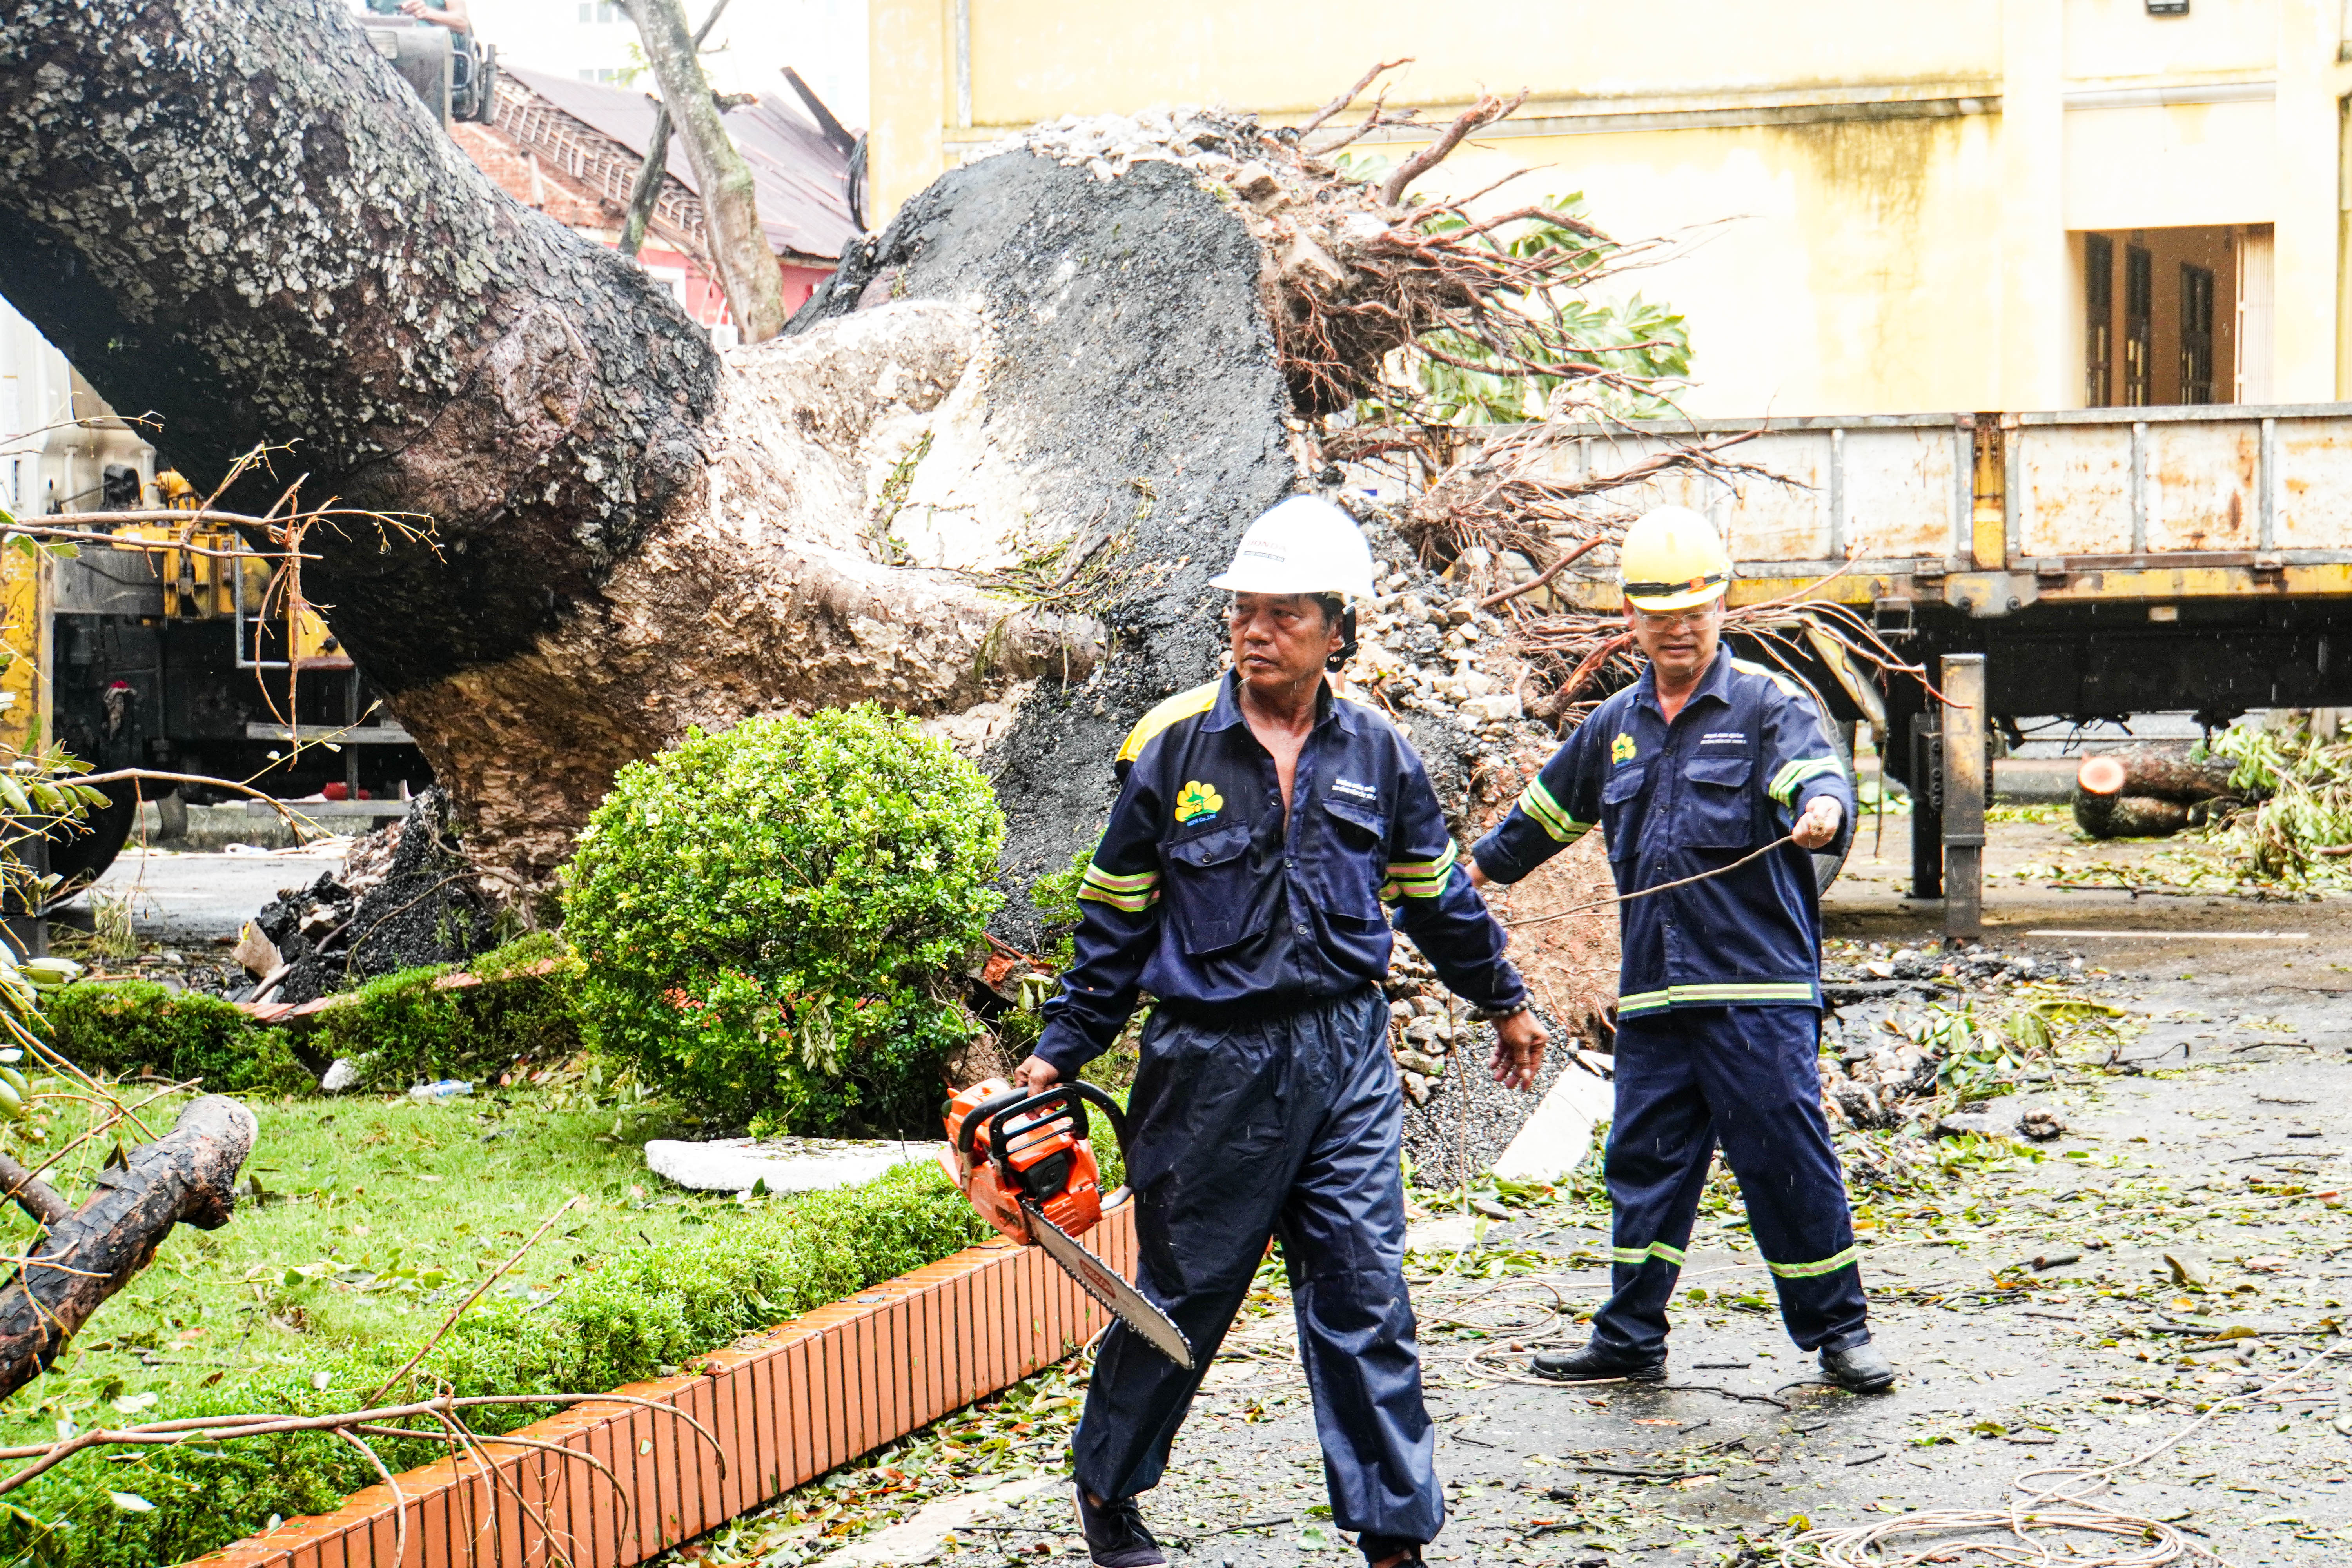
983	478
2129	816
242	219
186	1176
2146	796
2156	777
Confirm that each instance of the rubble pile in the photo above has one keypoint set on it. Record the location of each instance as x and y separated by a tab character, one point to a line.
1428	655
1421	1026
406	896
1870	1066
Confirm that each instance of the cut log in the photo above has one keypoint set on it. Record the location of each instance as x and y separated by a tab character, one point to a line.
188	1175
2129	816
2157	777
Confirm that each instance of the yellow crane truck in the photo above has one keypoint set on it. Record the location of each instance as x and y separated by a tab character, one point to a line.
141	653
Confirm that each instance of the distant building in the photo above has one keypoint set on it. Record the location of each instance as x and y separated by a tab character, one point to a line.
1875	208
593	40
572	149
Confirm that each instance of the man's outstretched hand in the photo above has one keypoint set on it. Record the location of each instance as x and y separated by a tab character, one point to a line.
1819	826
1519	1042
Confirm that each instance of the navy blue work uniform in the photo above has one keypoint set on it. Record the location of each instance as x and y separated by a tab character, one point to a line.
1266	1102
1719	997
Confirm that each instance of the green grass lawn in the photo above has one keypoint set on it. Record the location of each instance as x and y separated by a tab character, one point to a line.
370	1212
374	1216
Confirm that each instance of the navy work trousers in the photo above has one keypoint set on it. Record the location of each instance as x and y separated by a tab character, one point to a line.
1284	1126
1689	1077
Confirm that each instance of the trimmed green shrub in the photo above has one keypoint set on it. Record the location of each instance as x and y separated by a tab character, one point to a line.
772	920
121	1025
636	1314
405	1029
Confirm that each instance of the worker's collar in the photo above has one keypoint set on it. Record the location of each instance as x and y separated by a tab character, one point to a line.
1227	713
1711	684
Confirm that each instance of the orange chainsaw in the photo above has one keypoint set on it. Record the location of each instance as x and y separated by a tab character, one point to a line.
1026	1163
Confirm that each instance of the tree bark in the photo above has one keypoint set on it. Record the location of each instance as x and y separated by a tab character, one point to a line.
2128	815
186	1176
643	194
2156	777
239	218
648	187
730	209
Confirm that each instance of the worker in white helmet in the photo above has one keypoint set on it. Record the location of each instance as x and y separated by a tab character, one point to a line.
1265	831
1701	763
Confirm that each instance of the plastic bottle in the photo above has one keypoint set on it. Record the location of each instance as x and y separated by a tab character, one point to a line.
447	1089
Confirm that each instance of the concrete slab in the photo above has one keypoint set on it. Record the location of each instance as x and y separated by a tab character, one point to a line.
1559	1134
786	1164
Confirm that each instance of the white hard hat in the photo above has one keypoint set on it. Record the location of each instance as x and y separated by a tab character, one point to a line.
1302	545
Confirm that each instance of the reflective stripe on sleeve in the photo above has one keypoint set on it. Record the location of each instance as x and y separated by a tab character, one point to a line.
1545	812
1785	782
1421	879
1134	893
1829	1264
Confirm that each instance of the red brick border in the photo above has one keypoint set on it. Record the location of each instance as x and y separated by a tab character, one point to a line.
785	1406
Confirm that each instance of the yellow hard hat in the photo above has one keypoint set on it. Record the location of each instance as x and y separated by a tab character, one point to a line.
1673	558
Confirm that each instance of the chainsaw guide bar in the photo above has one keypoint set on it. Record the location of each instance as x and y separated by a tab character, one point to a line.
1106	1285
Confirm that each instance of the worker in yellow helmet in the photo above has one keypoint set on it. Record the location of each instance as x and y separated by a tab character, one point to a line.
1697	766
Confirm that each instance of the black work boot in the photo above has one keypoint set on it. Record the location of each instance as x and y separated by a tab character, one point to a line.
1115	1534
1859	1369
1381	1549
1592	1362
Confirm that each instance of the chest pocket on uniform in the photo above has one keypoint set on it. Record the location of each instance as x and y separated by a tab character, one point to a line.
1210	897
1356	862
1621	809
1717	812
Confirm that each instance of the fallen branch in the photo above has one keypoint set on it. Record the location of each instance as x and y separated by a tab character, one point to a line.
1549	572
188	1177
31	1193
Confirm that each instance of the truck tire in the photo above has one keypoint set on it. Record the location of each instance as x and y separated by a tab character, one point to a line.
78	858
1826	866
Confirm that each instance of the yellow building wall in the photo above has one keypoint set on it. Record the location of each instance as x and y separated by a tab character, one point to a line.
1874	207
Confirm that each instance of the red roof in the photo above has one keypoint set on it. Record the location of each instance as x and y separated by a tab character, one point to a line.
802	176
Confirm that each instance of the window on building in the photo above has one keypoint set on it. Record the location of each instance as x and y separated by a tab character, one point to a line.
2099	320
599	11
607	75
2196	333
2139	326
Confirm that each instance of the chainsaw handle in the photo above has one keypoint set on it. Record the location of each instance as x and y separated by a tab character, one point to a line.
1076	1092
